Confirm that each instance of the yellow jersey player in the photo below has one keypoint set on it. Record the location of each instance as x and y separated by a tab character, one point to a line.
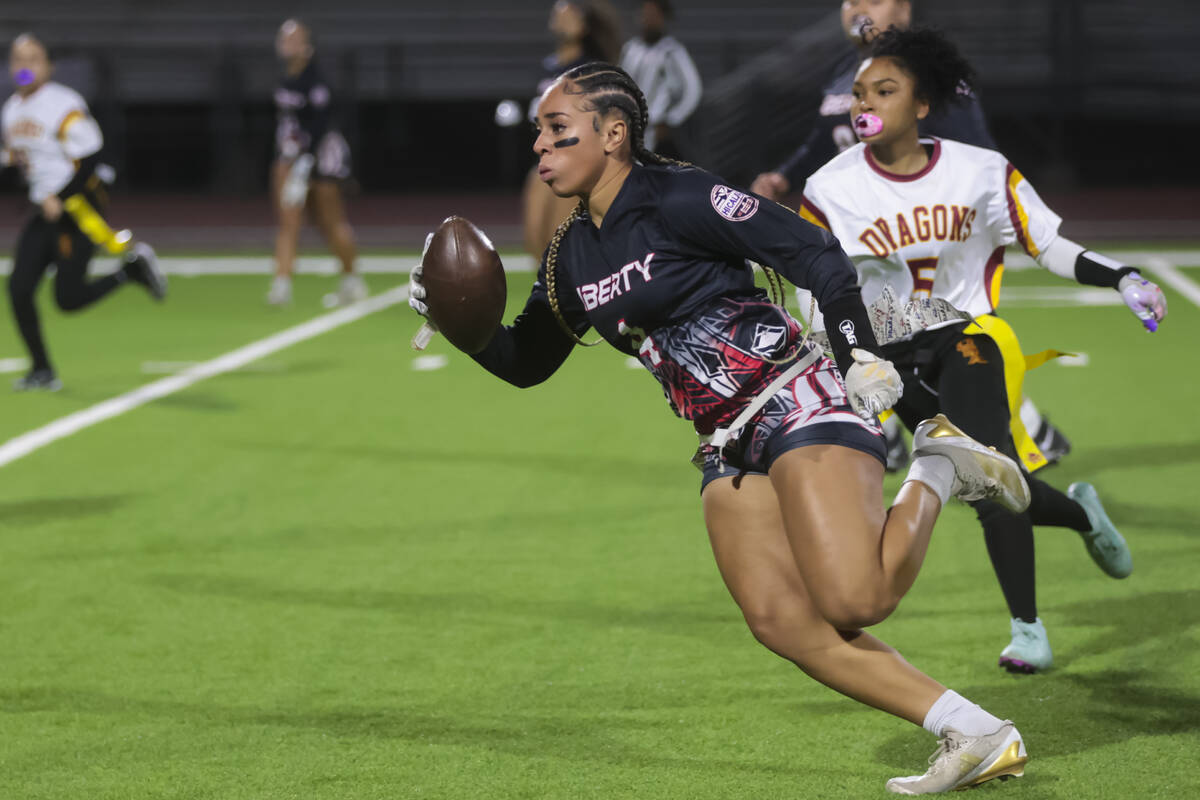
926	222
50	136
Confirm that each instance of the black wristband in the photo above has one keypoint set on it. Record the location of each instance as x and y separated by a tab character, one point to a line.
848	326
87	167
1090	272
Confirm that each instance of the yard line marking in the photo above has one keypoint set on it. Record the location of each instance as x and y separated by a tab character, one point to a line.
192	266
1171	276
13	365
1017	260
36	439
1058	296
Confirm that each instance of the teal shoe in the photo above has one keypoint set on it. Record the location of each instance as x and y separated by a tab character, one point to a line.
1105	545
1029	650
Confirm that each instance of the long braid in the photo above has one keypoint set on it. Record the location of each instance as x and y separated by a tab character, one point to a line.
552	280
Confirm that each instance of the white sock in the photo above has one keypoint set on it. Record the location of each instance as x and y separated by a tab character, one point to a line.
952	710
936	472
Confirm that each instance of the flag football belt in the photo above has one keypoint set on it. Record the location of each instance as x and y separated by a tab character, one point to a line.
720	437
892	320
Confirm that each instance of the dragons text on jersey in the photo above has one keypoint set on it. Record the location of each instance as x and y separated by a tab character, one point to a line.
940	232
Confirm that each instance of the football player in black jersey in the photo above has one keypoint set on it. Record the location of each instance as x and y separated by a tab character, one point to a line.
312	159
654	259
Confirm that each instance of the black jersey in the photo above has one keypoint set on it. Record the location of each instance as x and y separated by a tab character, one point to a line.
962	121
304	112
665	278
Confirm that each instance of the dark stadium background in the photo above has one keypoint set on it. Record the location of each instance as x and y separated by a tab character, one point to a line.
1097	102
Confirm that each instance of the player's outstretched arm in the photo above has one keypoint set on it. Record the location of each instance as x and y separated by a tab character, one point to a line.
524	354
1069	260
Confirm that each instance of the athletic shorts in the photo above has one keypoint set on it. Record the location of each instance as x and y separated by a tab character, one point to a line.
332	158
812	409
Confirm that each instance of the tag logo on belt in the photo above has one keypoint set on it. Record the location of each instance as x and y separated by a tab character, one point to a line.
970	351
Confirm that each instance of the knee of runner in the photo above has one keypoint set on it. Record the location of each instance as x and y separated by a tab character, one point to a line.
771	622
67	300
851	610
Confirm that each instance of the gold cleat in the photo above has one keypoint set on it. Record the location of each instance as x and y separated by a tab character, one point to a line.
962	761
979	472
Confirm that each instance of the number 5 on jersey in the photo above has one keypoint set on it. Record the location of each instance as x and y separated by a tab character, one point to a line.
923	271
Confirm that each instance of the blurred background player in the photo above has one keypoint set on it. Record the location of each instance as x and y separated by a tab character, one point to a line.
666	75
583	31
926	222
50	136
862	21
311	161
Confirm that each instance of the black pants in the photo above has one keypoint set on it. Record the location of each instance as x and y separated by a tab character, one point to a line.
62	244
962	376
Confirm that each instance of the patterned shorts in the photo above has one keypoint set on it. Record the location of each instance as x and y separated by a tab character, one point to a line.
812	409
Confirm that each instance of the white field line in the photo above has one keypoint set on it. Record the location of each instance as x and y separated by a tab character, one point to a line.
1058	297
190	266
513	262
13	365
27	443
1016	260
1169	274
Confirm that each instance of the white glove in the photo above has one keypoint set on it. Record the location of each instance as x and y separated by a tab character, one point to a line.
416	289
872	383
416	301
1144	299
294	191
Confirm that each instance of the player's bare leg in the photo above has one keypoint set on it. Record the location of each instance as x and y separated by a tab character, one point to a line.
760	567
325	198
857	559
325	203
758	562
287	238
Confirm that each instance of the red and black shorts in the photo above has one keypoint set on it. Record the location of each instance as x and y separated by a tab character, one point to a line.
812	409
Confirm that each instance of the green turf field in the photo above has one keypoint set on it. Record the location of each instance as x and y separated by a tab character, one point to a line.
329	575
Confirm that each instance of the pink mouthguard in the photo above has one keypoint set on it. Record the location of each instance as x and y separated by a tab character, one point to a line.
867	125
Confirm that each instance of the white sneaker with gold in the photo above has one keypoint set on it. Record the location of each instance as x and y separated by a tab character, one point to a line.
979	472
962	761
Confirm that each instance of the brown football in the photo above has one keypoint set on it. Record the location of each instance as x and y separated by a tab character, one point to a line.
464	284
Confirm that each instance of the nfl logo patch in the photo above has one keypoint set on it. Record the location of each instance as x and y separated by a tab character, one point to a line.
733	205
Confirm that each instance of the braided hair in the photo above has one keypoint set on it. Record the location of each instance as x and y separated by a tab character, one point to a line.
608	89
942	74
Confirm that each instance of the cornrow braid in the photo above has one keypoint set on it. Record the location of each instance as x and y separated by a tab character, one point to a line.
607	88
610	88
551	279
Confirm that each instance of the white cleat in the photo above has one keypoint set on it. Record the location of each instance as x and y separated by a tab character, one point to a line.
963	761
280	293
979	472
351	290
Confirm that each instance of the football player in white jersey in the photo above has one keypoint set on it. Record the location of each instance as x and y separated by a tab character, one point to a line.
50	136
926	222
